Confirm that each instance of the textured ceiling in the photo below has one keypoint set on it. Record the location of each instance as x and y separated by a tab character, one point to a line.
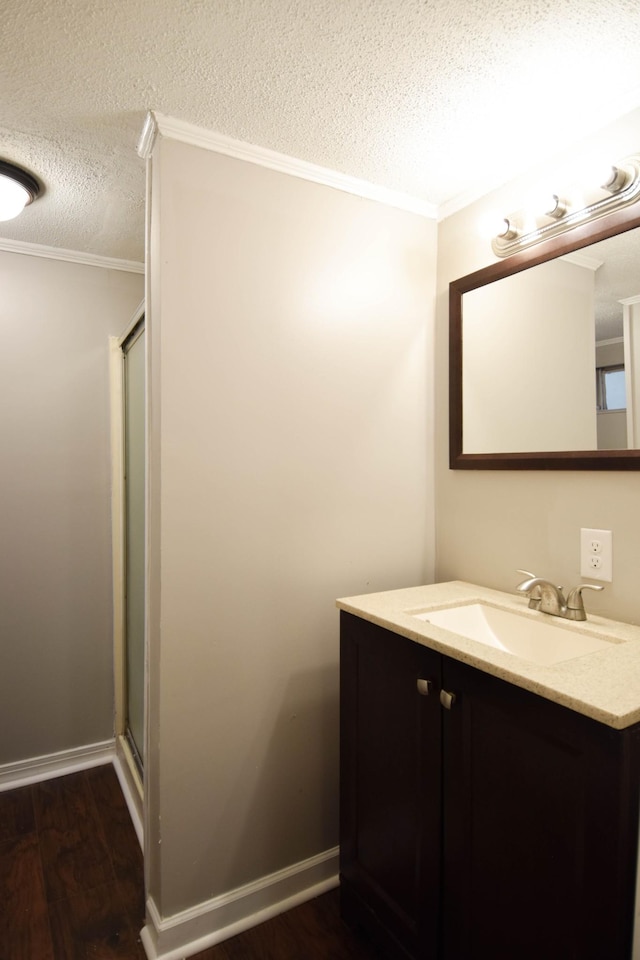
615	280
430	97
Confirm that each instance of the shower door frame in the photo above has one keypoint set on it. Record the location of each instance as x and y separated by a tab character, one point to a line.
129	767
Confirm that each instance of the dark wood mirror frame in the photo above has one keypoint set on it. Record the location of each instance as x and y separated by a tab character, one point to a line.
608	226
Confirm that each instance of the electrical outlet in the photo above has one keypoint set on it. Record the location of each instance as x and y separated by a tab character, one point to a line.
596	554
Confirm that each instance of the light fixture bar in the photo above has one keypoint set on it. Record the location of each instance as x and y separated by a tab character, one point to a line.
622	189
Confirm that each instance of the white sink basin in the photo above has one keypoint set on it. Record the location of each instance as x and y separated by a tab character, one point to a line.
540	641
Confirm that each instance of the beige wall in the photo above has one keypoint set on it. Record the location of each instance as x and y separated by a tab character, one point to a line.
609	352
290	337
612	430
56	673
488	523
507	405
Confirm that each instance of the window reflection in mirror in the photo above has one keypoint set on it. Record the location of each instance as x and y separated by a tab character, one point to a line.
611	388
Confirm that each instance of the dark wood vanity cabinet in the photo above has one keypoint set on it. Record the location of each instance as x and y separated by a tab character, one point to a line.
390	808
504	827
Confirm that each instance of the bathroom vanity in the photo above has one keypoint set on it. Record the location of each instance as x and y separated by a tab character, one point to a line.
489	804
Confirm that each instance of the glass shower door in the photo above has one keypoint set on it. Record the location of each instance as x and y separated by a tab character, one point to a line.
134	489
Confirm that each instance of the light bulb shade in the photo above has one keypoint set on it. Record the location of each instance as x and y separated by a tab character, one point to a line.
556	207
616	180
17	189
507	230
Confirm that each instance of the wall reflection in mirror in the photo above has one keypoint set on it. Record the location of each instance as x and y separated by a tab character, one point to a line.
547	354
545	358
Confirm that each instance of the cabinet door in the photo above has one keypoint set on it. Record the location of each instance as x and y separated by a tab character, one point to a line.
540	827
390	789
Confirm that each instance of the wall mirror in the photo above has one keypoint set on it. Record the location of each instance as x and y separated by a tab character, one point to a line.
544	354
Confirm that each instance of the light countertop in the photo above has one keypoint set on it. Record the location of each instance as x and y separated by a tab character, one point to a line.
604	685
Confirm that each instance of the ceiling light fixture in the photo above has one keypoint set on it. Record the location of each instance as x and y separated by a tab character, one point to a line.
17	189
572	208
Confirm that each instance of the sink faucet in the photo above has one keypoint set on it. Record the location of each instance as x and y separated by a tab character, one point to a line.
548	598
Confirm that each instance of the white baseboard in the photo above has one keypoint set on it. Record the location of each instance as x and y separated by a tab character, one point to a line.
131	790
23	772
188	933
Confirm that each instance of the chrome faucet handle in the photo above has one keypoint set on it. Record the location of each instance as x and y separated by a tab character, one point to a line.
527	573
534	593
575	603
532	576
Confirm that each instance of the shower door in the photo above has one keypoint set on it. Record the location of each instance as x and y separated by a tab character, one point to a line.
134	539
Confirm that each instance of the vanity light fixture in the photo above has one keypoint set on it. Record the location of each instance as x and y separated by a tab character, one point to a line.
617	180
509	231
564	211
17	189
557	208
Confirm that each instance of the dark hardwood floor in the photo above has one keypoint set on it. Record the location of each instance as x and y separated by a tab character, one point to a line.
71	885
313	931
71	880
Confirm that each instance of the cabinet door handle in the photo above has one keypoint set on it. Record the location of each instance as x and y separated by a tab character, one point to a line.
447	699
424	687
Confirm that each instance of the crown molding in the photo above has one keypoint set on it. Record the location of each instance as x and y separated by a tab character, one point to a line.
147	137
581	259
156	124
70	256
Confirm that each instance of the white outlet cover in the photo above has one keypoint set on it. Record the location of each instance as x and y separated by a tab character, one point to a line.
596	543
